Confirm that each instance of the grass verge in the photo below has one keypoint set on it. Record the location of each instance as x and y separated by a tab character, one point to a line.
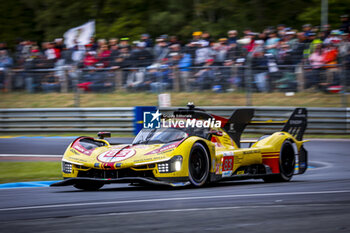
29	171
205	98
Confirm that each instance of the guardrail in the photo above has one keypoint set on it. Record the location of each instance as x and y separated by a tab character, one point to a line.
120	120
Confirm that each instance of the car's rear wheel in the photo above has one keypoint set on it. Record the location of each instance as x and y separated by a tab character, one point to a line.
286	164
88	185
198	165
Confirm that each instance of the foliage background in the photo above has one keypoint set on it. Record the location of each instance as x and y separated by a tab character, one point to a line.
44	20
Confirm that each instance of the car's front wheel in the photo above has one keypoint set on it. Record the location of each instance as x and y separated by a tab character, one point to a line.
88	185
198	165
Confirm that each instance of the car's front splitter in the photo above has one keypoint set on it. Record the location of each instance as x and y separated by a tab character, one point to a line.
142	180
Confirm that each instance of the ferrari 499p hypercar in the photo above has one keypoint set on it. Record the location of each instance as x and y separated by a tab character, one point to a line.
193	147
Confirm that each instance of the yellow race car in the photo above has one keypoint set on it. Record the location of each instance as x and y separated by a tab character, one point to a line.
190	147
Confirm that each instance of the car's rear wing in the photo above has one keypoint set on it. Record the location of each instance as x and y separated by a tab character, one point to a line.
240	118
297	123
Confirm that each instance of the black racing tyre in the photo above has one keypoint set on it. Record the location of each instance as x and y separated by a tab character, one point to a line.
286	164
198	165
88	185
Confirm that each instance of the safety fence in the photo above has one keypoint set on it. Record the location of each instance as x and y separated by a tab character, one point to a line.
121	120
158	78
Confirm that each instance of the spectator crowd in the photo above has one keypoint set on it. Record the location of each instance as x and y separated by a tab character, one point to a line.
275	56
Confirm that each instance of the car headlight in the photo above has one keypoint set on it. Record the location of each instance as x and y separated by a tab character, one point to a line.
66	167
172	165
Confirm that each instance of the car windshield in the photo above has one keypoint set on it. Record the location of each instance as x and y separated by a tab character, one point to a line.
168	134
161	135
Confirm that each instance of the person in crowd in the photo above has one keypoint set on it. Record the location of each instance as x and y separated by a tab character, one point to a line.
78	51
5	60
104	55
101	42
112	42
248	41
326	29
281	30
35	60
114	50
232	37
331	65
160	50
291	39
345	23
235	51
141	56
194	44
203	53
50	83
158	77
173	40
59	44
238	80
3	46
204	78
145	37
206	37
260	70
307	29
224	76
344	46
51	52
5	63
272	43
221	48
94	45
284	78
123	59
317	61
181	61
124	42
96	80
196	36
135	80
90	59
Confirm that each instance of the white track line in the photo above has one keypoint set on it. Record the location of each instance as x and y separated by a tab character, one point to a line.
210	209
25	155
170	199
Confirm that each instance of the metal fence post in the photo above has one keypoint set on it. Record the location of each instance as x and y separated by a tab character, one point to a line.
176	80
234	73
76	89
119	79
343	84
64	81
8	80
248	79
299	71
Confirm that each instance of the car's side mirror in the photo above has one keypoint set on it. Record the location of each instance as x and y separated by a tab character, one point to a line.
102	135
214	132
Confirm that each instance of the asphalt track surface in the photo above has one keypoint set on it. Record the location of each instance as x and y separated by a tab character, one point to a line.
318	201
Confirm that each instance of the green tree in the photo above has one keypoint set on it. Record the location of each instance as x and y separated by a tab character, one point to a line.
49	19
16	21
336	8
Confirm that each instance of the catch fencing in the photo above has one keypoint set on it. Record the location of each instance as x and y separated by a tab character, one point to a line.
121	120
158	79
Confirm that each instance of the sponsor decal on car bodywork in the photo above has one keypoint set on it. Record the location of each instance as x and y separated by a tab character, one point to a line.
116	155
